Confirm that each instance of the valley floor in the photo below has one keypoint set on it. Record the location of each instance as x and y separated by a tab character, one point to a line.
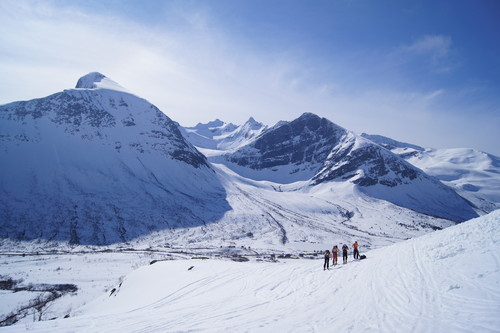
448	280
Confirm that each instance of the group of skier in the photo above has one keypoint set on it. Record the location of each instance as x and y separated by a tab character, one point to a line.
335	252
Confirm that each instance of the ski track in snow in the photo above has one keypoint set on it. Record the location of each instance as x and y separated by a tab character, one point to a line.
286	220
447	281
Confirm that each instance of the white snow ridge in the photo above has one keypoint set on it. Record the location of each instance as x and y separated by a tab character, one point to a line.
447	281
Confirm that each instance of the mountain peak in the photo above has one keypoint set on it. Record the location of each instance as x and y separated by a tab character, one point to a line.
96	80
309	115
211	124
253	124
89	81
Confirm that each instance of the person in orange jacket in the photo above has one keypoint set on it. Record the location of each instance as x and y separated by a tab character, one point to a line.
356	251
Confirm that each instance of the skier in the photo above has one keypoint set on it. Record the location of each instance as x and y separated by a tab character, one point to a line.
326	265
356	251
335	253
344	253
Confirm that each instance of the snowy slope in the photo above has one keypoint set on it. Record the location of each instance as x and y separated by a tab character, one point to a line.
475	175
98	165
273	217
447	281
293	218
391	144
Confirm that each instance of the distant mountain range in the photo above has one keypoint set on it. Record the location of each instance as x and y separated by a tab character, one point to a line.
315	150
222	136
99	165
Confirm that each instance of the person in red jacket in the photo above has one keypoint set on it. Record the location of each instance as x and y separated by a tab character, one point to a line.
335	254
356	251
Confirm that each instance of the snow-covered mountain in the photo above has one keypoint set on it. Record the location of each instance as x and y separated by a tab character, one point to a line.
315	150
474	174
98	165
289	152
223	136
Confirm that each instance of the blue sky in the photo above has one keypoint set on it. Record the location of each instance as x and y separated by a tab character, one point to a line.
425	72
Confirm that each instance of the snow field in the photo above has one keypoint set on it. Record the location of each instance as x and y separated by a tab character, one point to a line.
94	274
447	281
473	174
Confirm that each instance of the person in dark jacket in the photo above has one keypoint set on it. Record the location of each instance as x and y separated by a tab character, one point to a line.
326	265
344	253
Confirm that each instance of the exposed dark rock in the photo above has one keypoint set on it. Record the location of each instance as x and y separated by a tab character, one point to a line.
307	139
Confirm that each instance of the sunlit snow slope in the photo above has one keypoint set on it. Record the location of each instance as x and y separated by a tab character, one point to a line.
474	174
447	281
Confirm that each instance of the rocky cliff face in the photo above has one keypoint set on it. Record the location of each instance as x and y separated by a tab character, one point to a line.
290	151
365	164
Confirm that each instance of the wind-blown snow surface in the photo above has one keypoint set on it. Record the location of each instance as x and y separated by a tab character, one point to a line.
447	281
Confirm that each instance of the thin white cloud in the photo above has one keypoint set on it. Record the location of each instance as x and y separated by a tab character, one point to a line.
435	48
